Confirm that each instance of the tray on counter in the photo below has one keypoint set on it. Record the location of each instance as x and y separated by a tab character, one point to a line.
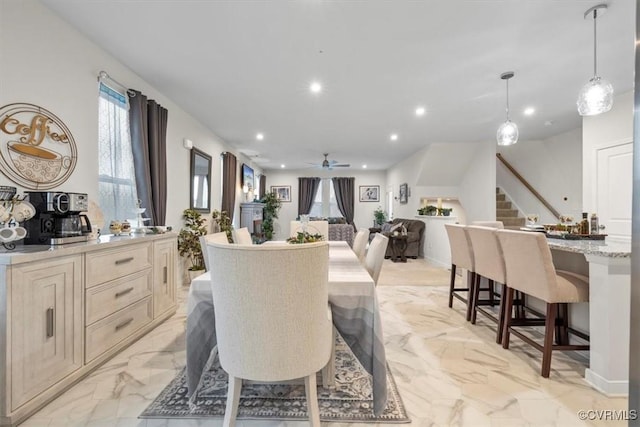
569	236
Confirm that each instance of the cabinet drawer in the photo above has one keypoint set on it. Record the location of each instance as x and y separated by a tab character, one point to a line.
106	333
106	299
103	266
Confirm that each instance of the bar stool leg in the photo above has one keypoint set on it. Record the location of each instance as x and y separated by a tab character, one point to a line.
549	328
452	284
562	325
508	309
476	297
501	314
492	294
470	299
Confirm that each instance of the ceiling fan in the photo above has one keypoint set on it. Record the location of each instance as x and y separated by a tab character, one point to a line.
330	164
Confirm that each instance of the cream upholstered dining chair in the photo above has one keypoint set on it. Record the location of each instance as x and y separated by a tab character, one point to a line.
241	236
492	224
489	264
220	237
360	243
313	227
529	269
273	321
375	256
461	257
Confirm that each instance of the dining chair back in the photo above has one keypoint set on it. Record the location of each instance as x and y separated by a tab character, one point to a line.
492	224
529	268
241	236
313	227
272	317
220	237
489	263
375	256
461	257
360	243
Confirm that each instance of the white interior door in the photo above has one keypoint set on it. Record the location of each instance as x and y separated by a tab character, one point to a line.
614	189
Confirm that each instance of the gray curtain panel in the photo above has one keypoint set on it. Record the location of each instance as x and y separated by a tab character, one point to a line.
345	189
148	128
229	184
262	188
307	188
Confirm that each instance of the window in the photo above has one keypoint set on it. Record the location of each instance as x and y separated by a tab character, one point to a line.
116	175
325	204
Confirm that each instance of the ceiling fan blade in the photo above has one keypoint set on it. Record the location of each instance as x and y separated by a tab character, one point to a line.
341	166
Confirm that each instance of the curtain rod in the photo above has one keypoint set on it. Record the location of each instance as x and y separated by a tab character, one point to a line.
102	75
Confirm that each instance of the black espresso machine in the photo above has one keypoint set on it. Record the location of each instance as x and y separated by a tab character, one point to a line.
58	218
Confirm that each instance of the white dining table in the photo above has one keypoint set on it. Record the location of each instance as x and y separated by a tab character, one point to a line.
354	307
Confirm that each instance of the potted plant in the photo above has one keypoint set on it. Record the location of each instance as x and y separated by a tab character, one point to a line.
428	210
379	217
189	239
270	212
444	211
220	221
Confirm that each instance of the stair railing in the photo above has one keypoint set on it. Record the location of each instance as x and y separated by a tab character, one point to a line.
529	187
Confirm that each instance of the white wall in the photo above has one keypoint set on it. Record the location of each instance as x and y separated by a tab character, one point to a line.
553	167
459	171
46	62
363	215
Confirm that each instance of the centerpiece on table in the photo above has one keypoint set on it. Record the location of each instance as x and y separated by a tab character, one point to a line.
305	237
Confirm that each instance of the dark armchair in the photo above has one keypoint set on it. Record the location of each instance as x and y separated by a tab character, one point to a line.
415	233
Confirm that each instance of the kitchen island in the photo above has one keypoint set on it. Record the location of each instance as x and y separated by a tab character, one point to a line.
608	266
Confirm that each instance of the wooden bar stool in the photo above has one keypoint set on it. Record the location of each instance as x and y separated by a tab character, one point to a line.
529	269
461	256
489	263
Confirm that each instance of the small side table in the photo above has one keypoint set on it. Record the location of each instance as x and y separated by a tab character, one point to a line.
398	247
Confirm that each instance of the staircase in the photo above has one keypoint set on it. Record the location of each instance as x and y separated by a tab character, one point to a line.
505	213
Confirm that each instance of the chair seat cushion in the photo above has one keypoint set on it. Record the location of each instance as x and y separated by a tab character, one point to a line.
572	287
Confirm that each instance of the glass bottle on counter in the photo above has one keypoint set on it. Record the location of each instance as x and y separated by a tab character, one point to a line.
595	227
584	224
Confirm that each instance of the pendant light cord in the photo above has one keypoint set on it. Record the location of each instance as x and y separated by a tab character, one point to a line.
507	99
595	40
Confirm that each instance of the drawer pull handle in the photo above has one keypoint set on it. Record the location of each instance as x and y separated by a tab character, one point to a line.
164	274
124	260
122	293
50	321
123	324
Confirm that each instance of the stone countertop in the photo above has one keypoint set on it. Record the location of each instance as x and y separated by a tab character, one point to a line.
27	253
592	247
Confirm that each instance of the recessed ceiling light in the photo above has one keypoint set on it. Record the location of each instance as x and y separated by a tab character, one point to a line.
420	111
394	137
364	166
259	136
282	166
529	111
315	87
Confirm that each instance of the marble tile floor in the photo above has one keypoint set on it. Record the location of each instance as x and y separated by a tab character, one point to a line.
449	372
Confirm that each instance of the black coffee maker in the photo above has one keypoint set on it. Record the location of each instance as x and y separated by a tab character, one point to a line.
57	220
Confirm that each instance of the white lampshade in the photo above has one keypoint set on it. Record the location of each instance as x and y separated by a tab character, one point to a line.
507	133
595	97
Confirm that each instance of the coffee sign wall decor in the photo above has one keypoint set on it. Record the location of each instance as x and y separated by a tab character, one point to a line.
37	150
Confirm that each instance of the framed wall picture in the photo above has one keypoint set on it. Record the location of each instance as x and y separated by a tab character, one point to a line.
247	177
282	191
369	193
404	193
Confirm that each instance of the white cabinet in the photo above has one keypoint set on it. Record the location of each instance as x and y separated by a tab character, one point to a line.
46	325
65	311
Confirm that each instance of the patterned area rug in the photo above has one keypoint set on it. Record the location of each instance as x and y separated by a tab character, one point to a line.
350	401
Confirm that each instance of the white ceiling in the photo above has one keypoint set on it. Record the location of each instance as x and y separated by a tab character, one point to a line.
243	67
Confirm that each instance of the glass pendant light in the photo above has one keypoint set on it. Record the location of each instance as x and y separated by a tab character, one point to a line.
596	96
508	131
